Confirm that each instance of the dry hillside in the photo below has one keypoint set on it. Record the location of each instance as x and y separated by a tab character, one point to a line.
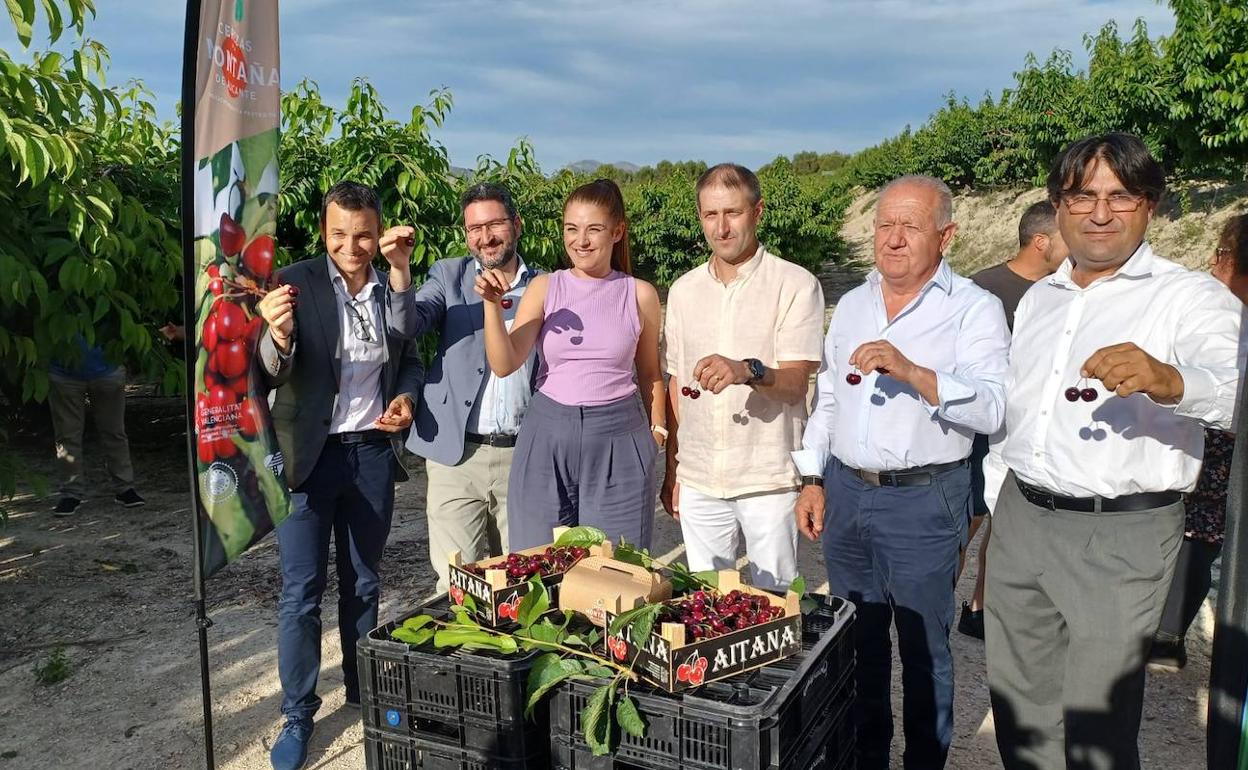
1184	230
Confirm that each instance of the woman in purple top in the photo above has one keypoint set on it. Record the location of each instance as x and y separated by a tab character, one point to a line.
587	447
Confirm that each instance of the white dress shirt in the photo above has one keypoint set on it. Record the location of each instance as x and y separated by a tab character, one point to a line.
952	327
502	402
359	400
1116	446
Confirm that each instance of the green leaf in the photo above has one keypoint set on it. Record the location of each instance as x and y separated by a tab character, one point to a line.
582	536
599	672
55	23
534	604
798	585
22	12
629	717
596	720
625	552
414	637
417	622
639	620
544	631
548	671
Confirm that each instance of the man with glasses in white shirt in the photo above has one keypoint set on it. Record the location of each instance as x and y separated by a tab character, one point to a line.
913	367
1119	361
467	420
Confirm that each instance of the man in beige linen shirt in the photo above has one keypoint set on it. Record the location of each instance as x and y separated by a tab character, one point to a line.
743	334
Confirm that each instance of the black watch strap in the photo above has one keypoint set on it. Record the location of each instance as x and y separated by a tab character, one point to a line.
757	370
812	481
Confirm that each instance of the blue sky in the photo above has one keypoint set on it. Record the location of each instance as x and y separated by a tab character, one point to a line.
642	80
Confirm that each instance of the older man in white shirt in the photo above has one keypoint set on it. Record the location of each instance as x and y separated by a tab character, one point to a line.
913	367
1118	362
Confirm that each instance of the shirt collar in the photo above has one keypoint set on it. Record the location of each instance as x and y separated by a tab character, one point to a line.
340	284
523	273
942	278
744	270
1139	265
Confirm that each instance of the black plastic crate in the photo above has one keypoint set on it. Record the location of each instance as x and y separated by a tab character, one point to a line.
828	746
383	751
457	700
757	719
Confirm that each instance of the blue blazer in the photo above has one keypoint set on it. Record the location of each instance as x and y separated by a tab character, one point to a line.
306	380
447	304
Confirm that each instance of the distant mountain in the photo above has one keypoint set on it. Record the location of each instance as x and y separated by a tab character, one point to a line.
590	166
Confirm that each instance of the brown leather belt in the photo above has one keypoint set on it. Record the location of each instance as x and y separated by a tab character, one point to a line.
491	439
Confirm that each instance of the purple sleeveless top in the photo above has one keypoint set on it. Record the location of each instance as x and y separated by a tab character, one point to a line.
588	339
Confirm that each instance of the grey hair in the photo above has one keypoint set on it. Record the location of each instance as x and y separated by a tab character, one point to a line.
944	211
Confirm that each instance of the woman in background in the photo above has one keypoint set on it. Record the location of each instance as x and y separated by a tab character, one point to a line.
1206	505
587	446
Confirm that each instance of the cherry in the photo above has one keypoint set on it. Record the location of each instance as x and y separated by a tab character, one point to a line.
217	287
1072	394
258	257
292	290
685	391
232	359
410	241
853	378
225	448
213	271
506	303
210	333
231	321
1088	394
205	451
231	235
694	394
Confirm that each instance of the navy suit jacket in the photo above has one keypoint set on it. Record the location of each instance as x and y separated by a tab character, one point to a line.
446	303
307	379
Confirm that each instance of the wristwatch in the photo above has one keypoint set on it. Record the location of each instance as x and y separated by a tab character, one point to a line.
812	481
757	370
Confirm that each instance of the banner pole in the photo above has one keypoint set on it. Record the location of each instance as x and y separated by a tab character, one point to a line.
190	55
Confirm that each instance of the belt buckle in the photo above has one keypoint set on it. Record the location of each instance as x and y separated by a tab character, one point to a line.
871	477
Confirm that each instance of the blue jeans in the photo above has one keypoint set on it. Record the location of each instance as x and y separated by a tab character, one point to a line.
351	494
893	552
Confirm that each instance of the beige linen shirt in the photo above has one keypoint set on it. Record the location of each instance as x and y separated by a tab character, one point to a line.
738	442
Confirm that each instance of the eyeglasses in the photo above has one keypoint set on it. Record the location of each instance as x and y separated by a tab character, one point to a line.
1221	253
1119	203
361	327
495	227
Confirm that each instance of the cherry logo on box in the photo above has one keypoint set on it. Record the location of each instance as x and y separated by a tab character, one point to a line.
457	594
509	608
618	647
693	670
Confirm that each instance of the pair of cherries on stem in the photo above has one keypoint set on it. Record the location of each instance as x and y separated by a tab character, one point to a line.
691	390
855	377
1083	392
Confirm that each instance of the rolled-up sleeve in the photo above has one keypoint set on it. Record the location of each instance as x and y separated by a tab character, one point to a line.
1210	355
816	451
973	394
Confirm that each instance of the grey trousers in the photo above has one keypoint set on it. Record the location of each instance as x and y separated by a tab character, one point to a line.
1072	601
467	507
67	398
592	465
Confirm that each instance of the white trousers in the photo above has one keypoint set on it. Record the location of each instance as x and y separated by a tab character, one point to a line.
710	526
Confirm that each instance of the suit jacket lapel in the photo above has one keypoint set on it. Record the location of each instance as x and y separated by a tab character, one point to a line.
325	302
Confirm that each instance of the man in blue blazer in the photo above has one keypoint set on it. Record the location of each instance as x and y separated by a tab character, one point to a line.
467	419
345	377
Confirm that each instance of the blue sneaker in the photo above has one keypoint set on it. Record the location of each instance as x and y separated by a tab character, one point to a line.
290	750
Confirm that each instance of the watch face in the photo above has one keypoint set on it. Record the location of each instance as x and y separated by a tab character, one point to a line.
757	370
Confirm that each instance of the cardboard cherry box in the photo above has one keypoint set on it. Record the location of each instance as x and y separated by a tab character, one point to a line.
673	662
597	585
496	596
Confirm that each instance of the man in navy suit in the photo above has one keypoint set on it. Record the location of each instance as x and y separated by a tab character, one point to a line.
467	419
345	385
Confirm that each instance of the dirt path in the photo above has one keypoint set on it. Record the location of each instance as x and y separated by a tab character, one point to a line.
113	586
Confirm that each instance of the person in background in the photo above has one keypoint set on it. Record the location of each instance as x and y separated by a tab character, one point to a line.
587	447
745	330
1040	251
913	367
1119	362
91	377
1205	507
467	419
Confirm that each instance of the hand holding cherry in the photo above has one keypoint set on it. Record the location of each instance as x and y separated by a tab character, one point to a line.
396	246
1125	369
397	417
881	356
491	285
715	373
277	308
